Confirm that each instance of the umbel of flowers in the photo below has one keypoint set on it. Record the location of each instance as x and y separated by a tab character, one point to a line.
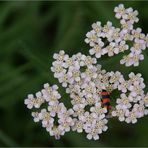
83	79
117	39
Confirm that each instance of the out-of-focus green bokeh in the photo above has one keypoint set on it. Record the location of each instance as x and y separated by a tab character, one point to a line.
30	32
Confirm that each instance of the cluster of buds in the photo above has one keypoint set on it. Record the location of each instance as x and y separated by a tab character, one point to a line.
117	39
84	80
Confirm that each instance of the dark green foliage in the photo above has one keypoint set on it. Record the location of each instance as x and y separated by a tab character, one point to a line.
30	32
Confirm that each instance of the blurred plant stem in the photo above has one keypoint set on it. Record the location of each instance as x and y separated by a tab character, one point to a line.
7	140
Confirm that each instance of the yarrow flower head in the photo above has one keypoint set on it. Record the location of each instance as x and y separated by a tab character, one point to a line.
90	87
117	38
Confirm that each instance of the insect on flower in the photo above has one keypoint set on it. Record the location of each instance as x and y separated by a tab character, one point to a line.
105	100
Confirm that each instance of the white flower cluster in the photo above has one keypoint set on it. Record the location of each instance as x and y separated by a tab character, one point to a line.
54	109
79	74
85	80
84	83
117	39
132	104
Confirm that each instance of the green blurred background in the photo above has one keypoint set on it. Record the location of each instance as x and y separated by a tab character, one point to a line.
30	32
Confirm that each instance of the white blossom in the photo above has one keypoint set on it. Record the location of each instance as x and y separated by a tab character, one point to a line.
78	126
34	102
120	11
131	117
78	110
115	78
98	111
146	100
119	112
123	85
97	49
47	120
57	132
123	102
29	101
97	28
92	133
58	69
35	116
91	38
61	56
